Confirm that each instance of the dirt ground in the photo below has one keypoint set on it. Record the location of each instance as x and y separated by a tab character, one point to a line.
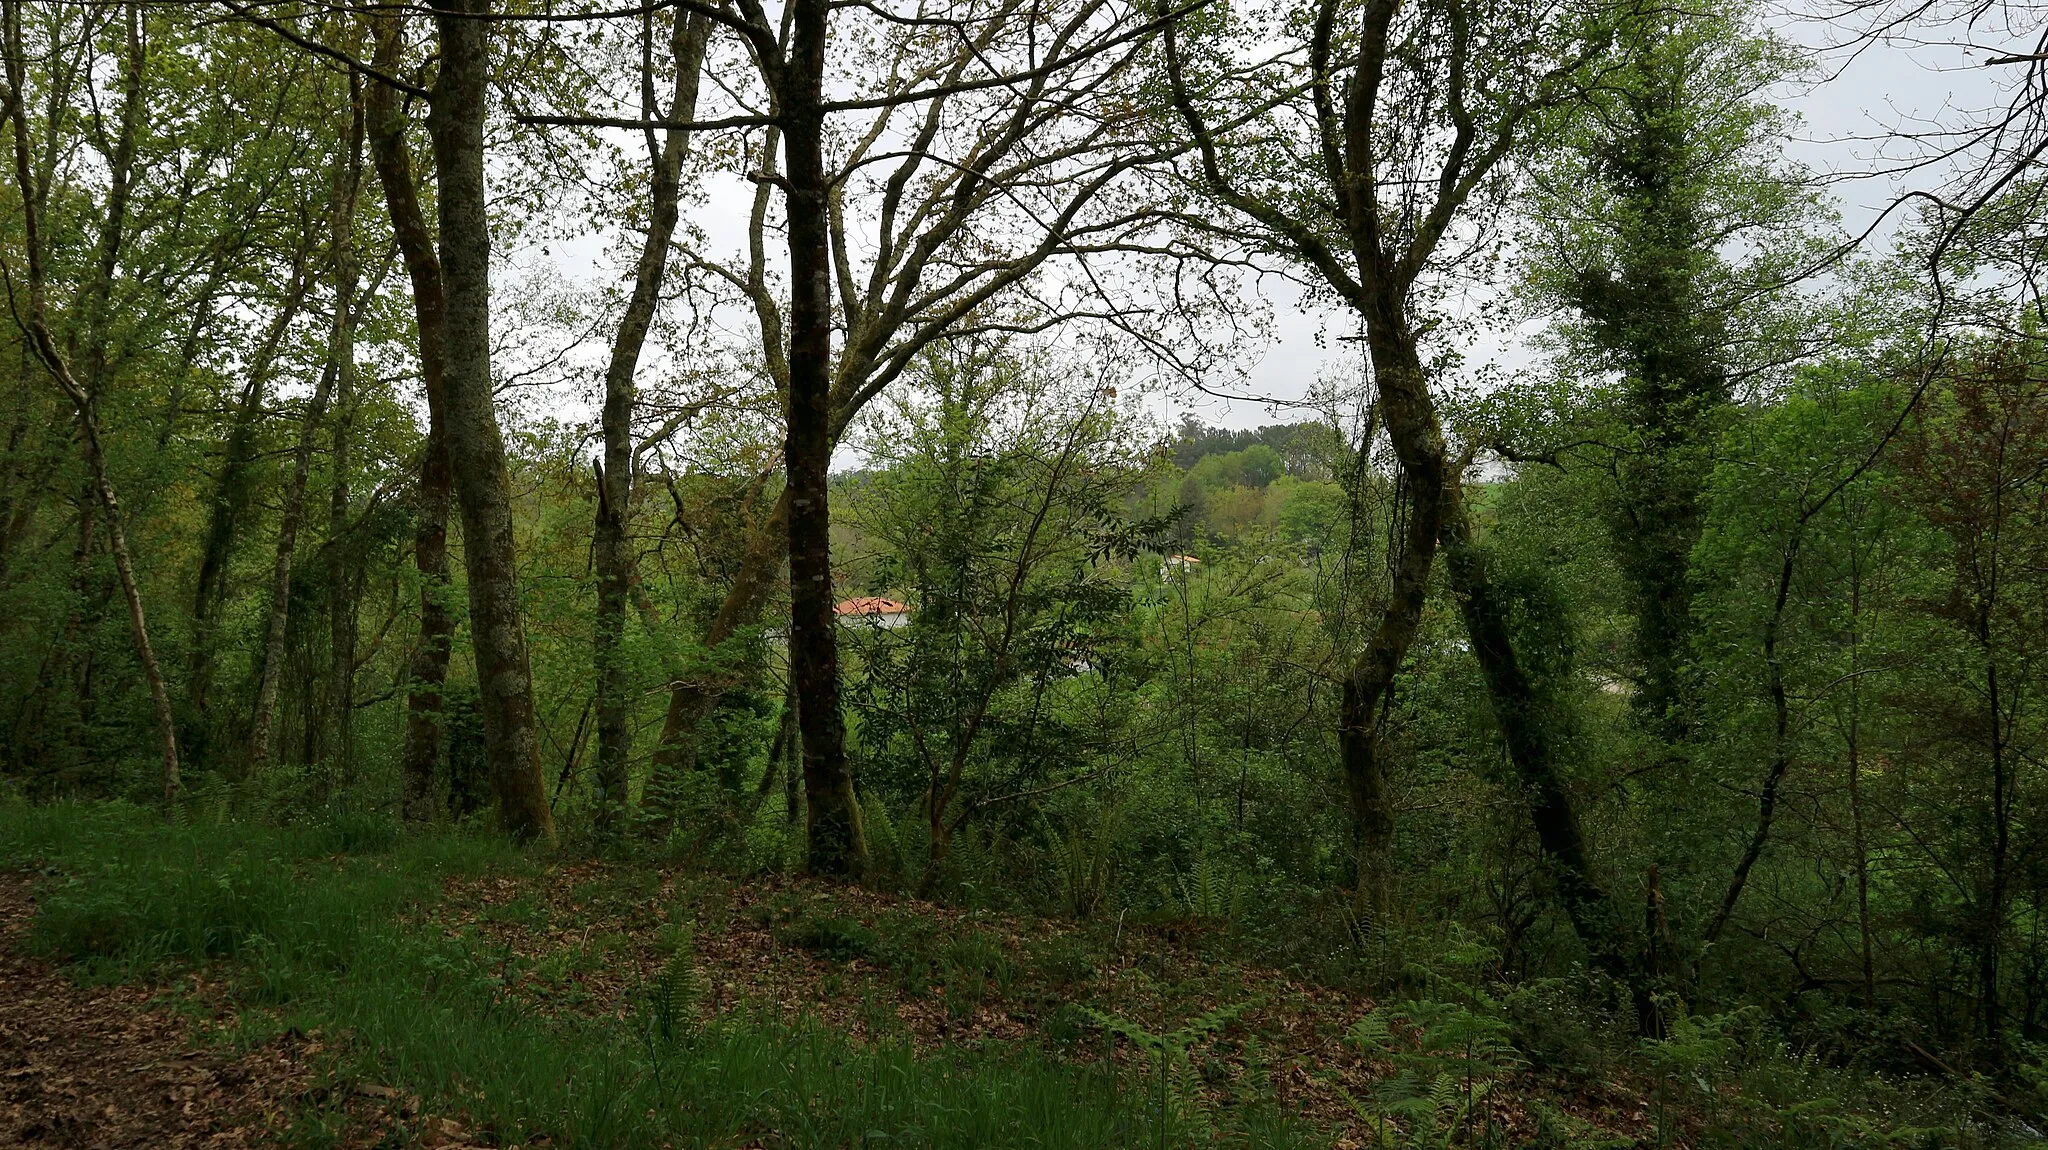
97	1066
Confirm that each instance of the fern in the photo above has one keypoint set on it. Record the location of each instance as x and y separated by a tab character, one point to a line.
1081	859
1458	1050
677	992
885	845
1169	1050
1211	891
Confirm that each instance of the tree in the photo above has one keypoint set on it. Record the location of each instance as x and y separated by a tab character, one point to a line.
83	393
1001	494
1407	119
427	669
613	558
1978	469
476	447
1668	228
346	183
997	182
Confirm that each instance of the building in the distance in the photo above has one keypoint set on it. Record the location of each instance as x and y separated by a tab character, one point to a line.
873	611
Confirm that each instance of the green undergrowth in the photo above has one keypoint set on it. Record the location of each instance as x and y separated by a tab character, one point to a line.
330	926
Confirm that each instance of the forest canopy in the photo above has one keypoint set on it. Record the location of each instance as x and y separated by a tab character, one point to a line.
773	440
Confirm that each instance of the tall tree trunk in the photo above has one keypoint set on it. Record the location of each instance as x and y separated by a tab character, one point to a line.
340	362
1404	405
691	700
1361	750
341	585
427	669
476	448
1649	308
836	843
1527	725
612	555
231	494
82	400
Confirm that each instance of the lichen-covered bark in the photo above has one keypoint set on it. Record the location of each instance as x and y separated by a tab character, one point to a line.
476	446
427	668
836	843
1405	409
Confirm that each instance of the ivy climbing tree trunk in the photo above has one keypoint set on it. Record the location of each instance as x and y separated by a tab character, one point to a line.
1650	313
476	447
1404	407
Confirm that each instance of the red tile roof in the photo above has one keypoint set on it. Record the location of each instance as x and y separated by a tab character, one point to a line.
870	605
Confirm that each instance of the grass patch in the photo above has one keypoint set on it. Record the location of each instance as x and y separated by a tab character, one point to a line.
334	927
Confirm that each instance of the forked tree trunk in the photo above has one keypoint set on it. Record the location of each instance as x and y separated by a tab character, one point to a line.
476	447
82	402
340	362
1526	724
611	553
836	843
427	669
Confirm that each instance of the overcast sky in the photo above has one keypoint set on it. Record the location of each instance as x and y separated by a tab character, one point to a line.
1860	94
1861	90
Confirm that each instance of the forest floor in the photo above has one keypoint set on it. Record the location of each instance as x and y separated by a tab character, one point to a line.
584	936
101	1065
119	1066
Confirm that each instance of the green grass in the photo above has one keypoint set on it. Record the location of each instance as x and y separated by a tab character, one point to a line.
330	927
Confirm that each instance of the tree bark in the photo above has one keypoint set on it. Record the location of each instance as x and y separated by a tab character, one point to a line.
611	553
836	843
427	668
476	447
1527	726
1404	406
